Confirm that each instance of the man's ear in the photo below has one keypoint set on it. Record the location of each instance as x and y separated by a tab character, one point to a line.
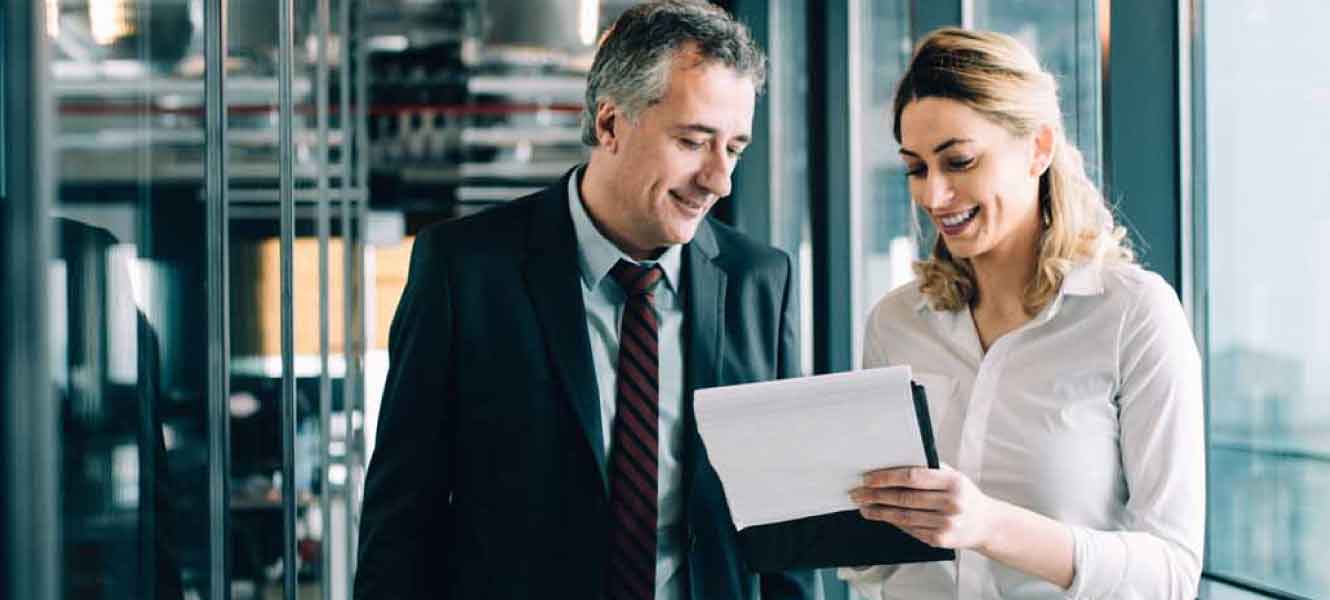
1043	150
607	119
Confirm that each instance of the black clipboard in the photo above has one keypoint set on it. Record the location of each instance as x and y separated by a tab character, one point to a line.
843	539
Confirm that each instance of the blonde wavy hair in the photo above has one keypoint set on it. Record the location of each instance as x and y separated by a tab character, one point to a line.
996	76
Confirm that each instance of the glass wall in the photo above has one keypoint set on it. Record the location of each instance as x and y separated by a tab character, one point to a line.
1065	35
1265	88
142	272
886	239
128	297
787	101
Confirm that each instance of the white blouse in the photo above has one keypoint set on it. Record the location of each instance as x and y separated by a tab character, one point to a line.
1090	414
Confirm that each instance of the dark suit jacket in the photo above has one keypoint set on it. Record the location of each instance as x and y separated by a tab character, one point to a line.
486	479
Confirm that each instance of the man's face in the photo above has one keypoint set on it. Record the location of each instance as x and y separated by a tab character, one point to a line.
673	162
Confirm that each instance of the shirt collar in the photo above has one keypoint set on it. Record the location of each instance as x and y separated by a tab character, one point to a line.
596	254
1084	279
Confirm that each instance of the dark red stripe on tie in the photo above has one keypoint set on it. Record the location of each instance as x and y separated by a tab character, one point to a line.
641	430
634	448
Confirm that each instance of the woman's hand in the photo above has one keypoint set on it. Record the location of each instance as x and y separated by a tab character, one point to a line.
939	507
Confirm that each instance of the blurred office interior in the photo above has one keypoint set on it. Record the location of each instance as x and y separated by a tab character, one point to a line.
209	205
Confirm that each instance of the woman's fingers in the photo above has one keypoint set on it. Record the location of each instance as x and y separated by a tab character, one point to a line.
904	517
906	498
919	478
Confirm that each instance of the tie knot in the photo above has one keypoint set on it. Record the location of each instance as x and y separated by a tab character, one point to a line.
635	279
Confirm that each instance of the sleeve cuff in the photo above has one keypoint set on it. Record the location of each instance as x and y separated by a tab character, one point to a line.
1100	563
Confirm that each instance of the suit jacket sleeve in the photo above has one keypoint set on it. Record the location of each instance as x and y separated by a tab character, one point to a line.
407	488
801	584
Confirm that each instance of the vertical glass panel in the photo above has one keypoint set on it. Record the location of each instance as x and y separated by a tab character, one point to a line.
257	428
1065	36
787	97
128	297
1269	235
881	207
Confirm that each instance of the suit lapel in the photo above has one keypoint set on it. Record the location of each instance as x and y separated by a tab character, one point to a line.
704	306
552	279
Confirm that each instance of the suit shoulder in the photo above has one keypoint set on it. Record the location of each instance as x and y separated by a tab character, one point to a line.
496	231
741	248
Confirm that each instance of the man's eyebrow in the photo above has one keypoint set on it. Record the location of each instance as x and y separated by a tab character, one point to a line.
742	138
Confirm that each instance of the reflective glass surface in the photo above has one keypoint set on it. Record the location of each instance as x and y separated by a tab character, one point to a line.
881	208
1268	231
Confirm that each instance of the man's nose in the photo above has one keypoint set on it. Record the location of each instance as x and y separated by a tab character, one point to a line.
714	177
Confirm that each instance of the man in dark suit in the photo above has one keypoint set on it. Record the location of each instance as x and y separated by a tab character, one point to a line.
537	434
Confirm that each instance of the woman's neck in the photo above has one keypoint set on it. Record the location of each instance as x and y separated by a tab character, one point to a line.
1003	274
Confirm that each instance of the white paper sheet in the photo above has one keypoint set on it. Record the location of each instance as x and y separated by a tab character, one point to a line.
795	448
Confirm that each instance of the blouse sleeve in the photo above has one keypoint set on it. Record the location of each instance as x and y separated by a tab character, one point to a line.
1158	553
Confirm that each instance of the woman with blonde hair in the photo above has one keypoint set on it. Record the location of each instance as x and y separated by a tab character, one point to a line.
1064	385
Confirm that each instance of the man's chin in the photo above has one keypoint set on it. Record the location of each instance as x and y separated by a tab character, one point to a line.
682	233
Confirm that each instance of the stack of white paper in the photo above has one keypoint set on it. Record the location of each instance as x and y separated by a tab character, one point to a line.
795	448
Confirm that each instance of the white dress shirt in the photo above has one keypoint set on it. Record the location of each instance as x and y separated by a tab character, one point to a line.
604	302
1090	414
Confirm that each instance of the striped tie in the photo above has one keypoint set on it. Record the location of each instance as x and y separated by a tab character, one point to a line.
632	462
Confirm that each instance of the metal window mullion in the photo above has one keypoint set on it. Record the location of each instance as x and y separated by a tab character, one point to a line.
286	62
1185	231
219	419
1141	111
1196	282
858	185
31	414
362	227
325	382
346	123
829	178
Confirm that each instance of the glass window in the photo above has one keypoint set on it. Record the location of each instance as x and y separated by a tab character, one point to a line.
129	300
787	97
1266	89
1065	37
880	209
128	297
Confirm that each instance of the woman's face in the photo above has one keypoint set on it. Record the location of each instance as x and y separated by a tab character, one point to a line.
977	182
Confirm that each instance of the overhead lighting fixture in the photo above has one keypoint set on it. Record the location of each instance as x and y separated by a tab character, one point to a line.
110	20
588	21
53	18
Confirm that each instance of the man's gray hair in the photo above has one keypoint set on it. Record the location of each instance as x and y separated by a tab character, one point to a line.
632	64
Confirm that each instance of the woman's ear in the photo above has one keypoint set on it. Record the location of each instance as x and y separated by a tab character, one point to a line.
1043	150
606	121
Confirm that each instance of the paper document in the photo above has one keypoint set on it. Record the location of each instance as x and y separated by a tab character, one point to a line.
795	448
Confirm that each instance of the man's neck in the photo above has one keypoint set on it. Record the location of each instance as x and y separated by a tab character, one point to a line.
598	200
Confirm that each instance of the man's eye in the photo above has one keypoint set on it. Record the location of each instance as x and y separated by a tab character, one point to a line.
691	144
735	152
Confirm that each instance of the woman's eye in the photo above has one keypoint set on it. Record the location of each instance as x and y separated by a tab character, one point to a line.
914	171
961	164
